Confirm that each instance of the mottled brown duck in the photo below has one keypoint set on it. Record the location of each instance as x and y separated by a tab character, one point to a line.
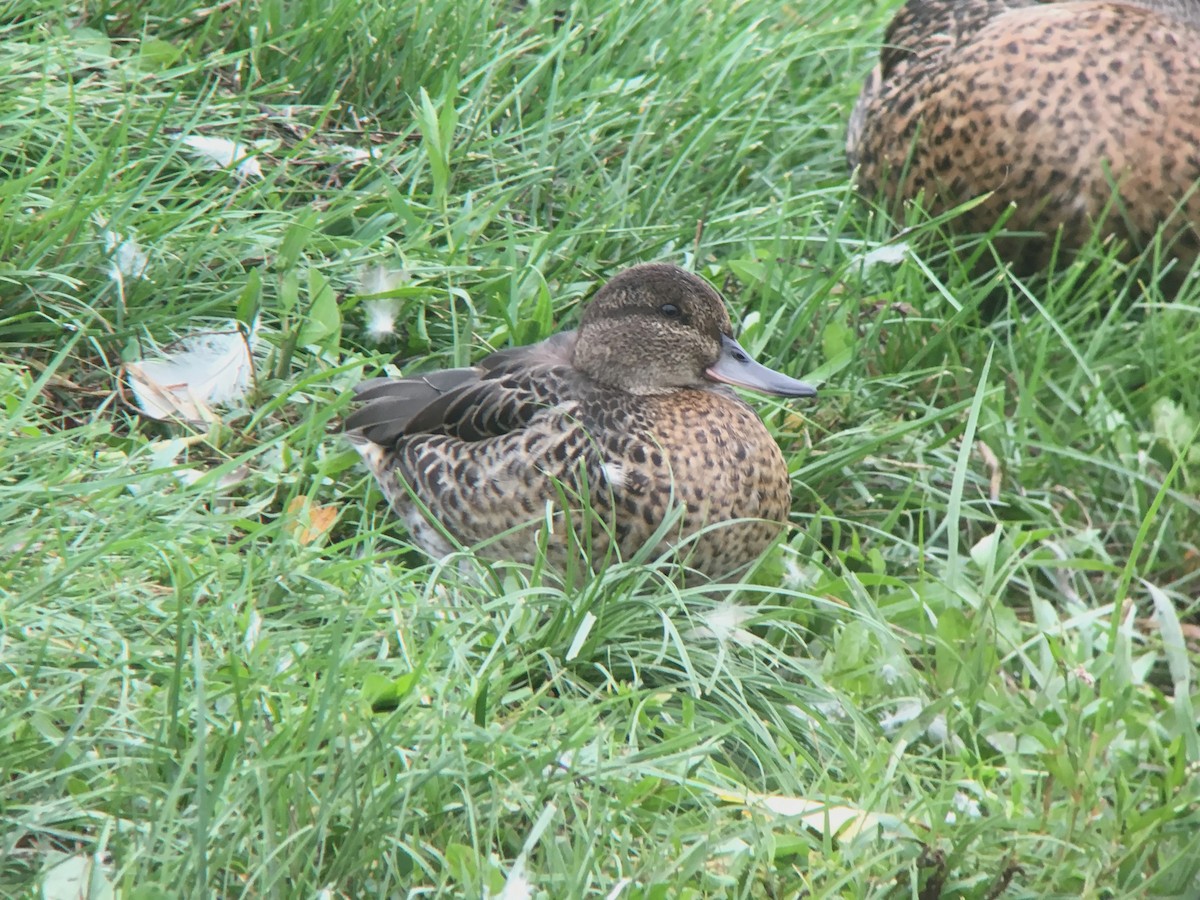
582	446
1081	114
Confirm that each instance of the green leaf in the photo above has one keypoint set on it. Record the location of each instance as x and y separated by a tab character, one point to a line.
324	318
92	43
289	291
1179	664
250	299
381	689
436	134
155	55
749	272
838	343
295	239
540	324
463	863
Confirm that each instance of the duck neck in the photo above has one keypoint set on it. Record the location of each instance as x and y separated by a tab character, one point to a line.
608	369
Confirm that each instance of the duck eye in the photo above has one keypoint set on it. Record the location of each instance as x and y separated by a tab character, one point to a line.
670	310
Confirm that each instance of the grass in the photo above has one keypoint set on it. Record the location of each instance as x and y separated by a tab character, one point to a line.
967	672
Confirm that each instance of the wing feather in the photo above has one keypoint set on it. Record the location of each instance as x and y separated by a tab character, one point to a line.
500	395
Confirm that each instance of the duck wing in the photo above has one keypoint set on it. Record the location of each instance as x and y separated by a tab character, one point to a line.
499	395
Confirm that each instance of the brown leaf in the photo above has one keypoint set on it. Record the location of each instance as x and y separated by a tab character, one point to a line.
995	470
309	522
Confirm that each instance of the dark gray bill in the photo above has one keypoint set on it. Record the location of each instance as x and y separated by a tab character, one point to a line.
736	367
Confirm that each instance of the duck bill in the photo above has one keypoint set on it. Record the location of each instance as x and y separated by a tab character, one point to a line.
735	366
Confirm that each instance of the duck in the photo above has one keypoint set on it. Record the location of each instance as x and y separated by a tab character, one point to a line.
593	444
1078	115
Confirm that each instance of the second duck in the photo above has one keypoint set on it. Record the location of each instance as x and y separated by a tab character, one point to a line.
1081	114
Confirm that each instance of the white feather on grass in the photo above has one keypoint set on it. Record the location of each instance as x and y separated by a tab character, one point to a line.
356	156
518	886
381	319
205	370
167	454
380	279
724	622
126	258
224	153
381	312
884	255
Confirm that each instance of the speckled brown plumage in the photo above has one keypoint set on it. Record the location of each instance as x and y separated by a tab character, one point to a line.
625	413
1049	105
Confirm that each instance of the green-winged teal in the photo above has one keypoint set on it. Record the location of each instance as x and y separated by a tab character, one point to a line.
629	410
1048	104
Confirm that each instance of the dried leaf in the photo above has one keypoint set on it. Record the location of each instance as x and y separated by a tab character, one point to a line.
995	470
77	877
309	522
843	821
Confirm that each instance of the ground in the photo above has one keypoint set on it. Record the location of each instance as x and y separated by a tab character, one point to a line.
967	671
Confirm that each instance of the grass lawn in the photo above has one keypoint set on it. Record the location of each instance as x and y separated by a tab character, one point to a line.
967	672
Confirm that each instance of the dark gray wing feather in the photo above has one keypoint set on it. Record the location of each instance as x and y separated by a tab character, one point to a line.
502	394
390	404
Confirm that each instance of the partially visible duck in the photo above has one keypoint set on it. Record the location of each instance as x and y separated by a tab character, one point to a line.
1049	105
629	418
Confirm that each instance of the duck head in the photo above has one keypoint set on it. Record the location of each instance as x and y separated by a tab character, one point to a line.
655	328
